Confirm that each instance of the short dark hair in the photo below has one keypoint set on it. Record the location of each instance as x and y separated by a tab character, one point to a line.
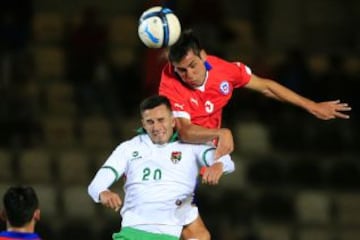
154	101
187	41
20	204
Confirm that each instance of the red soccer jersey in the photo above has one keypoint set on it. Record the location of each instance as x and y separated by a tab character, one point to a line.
204	106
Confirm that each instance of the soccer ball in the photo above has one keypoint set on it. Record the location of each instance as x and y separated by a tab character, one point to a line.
159	27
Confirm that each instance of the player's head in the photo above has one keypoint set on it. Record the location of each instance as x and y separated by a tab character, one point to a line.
188	58
157	118
21	206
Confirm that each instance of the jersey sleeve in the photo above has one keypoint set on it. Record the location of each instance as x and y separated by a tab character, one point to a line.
117	161
171	88
110	172
242	74
206	154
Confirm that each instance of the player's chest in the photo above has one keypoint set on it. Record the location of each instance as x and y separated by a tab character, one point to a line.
213	97
160	163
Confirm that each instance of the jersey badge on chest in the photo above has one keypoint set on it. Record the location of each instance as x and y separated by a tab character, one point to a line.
224	87
175	157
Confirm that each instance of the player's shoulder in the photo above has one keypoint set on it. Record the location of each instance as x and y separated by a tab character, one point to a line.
220	63
134	141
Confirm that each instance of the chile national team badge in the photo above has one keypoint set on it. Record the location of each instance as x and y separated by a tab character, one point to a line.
175	157
224	87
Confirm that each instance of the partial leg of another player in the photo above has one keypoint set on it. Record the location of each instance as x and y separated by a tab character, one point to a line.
195	231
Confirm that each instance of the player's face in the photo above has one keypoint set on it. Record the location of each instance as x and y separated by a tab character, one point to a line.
191	69
158	123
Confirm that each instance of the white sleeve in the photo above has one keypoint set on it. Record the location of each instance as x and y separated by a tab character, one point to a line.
228	164
208	160
111	171
103	179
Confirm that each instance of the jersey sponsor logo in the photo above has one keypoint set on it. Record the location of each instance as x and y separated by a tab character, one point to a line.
224	87
175	157
193	100
209	106
135	155
178	105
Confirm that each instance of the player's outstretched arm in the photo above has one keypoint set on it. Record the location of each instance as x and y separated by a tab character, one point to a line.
330	110
322	110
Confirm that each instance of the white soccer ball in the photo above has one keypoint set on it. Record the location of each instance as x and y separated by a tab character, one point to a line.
159	27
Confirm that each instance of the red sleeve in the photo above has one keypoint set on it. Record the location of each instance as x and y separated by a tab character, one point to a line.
242	74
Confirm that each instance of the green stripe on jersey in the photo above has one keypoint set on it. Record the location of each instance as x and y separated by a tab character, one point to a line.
204	156
117	175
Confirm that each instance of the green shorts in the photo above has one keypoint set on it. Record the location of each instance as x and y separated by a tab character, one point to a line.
128	233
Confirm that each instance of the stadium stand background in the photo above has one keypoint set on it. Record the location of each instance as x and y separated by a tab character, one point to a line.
297	177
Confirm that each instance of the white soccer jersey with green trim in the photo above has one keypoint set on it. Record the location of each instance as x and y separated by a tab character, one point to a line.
160	179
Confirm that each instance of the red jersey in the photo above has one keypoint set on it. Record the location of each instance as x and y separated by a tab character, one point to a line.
203	106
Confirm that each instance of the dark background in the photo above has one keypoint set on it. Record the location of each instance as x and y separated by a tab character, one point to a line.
72	74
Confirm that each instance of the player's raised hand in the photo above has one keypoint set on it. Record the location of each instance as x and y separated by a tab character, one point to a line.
111	200
330	110
225	143
211	175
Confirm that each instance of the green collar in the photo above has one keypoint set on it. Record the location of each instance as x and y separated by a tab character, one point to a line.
174	137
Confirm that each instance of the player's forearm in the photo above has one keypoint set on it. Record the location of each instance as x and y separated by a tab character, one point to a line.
281	93
102	180
196	134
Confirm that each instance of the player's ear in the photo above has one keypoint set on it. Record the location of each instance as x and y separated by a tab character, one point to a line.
37	215
173	122
203	55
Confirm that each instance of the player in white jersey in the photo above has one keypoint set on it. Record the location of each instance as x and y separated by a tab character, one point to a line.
161	173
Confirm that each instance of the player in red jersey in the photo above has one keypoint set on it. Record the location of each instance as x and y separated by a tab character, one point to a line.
199	86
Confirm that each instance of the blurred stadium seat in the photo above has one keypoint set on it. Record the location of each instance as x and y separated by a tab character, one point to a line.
48	27
49	63
48	199
275	206
73	168
306	173
97	133
274	231
128	36
316	233
6	166
347	209
313	208
266	171
77	203
59	132
253	137
36	166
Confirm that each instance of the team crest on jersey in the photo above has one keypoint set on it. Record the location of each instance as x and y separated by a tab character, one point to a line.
224	87
175	157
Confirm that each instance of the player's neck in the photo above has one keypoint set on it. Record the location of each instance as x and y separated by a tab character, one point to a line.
202	86
28	228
